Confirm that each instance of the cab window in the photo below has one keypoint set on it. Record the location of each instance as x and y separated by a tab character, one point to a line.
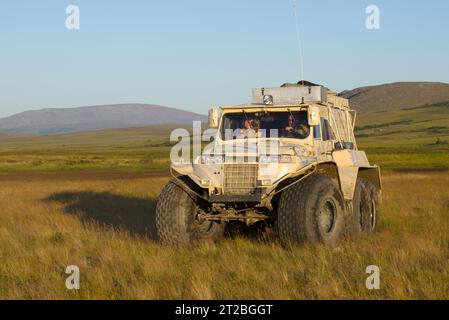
317	132
328	133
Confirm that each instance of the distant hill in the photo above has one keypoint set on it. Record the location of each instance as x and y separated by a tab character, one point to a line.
396	96
373	99
52	121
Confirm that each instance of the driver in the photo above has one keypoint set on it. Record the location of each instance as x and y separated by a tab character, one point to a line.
248	130
299	131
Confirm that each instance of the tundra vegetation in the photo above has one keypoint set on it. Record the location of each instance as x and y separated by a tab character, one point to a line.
88	199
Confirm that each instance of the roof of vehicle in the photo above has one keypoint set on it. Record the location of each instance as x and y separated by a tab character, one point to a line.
333	101
264	106
301	94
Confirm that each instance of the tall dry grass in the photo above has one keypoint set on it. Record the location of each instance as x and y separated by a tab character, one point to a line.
105	226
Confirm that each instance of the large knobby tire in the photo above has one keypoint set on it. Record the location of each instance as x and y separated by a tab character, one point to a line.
370	217
356	222
176	222
311	212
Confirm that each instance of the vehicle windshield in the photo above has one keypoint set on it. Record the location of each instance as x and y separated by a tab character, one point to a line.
246	125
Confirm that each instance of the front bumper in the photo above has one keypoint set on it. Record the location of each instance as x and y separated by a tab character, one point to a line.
256	198
238	182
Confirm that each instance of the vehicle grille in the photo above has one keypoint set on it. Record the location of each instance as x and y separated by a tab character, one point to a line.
240	179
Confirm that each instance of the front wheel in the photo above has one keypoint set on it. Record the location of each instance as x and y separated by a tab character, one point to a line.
312	212
176	219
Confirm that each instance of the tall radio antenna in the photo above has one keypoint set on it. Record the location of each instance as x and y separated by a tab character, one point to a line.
298	36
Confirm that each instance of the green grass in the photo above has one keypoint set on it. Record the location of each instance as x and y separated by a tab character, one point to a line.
411	161
120	149
95	159
411	138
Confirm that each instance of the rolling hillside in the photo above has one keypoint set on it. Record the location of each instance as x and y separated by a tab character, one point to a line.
52	121
396	96
415	138
425	127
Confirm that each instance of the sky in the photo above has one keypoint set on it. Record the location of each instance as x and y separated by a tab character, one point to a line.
197	53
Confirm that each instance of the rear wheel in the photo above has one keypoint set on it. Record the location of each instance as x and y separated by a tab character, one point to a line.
371	216
312	212
176	219
360	209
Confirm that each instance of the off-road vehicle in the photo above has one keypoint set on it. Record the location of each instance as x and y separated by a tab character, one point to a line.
289	159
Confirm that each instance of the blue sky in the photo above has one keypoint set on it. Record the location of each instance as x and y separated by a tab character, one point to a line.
197	53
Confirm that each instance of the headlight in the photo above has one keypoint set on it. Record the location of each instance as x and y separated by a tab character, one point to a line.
268	159
285	158
265	182
212	159
205	182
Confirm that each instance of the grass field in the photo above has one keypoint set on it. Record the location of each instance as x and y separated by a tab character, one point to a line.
104	223
89	198
133	149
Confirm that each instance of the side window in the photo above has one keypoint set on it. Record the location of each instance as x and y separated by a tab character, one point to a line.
317	132
328	133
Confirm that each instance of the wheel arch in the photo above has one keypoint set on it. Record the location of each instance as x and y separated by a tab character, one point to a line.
188	185
343	177
329	169
371	174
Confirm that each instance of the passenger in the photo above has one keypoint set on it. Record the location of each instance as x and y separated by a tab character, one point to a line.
248	130
290	124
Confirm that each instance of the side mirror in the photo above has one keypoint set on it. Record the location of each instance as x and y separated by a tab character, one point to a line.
314	116
213	117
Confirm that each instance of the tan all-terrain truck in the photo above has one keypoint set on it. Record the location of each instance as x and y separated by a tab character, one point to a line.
288	160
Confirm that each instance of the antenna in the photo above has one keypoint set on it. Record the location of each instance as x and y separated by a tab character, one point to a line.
298	36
